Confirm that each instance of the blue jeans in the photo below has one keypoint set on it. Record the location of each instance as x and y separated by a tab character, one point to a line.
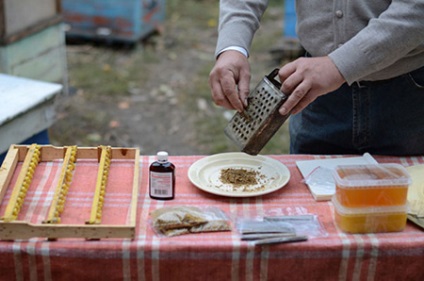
382	118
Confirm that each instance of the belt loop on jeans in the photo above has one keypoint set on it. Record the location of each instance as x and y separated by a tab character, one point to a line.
359	84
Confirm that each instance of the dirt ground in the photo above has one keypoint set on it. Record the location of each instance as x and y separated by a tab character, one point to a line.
155	95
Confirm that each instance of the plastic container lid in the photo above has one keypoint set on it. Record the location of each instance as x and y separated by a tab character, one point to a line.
351	176
162	156
345	211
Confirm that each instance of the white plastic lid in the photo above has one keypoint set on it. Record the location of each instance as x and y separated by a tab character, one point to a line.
363	176
377	210
162	156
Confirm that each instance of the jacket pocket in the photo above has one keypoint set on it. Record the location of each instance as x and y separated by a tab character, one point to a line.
417	77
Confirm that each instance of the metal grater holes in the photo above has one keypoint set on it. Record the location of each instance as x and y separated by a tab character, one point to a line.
251	130
261	104
239	127
262	109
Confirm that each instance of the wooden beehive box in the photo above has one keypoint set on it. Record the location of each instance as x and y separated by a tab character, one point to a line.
40	56
112	20
20	18
68	192
28	108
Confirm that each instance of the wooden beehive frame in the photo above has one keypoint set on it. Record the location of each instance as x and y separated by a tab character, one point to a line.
56	207
99	194
30	155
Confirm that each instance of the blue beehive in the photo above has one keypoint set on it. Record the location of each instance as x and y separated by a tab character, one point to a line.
115	20
290	19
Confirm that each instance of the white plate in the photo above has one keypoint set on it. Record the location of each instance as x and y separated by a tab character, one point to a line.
205	173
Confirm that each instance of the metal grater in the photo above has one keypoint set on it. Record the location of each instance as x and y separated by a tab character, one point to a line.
252	129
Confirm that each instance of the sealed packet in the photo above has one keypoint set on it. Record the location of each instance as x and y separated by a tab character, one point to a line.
179	220
279	229
307	225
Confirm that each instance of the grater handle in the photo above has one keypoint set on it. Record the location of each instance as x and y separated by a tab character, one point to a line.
271	78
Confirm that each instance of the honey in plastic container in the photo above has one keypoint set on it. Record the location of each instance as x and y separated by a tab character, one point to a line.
371	219
371	185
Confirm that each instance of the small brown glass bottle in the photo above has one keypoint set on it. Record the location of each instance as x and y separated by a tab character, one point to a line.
162	178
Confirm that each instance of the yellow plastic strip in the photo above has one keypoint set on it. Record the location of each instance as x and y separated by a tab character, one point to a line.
61	191
22	184
102	176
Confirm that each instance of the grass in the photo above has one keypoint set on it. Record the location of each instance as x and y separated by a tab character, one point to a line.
105	76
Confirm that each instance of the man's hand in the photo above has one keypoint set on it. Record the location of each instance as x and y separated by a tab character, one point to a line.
229	80
305	79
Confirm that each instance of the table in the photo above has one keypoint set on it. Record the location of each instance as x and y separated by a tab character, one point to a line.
222	256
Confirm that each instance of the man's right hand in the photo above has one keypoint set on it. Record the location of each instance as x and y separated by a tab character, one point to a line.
229	80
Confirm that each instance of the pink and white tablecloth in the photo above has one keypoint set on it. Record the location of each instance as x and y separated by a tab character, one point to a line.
211	256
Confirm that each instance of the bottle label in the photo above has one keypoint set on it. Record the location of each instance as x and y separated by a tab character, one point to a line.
161	184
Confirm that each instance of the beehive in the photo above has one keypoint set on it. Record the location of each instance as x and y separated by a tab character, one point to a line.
28	108
40	56
112	20
19	19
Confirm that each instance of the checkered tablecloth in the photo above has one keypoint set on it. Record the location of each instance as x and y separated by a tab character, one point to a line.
212	256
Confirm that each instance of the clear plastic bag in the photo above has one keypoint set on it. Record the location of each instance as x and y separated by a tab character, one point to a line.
280	229
179	220
321	178
307	225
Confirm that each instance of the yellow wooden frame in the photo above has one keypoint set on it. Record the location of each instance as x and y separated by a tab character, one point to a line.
51	228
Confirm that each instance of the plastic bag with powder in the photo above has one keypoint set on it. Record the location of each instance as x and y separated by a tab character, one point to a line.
179	220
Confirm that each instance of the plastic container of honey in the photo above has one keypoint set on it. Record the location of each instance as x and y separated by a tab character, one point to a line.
379	185
371	219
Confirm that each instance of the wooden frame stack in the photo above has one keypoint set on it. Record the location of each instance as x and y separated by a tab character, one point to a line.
31	155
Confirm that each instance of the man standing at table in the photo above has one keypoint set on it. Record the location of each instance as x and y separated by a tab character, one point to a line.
360	88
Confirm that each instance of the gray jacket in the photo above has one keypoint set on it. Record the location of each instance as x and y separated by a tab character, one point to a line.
366	39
